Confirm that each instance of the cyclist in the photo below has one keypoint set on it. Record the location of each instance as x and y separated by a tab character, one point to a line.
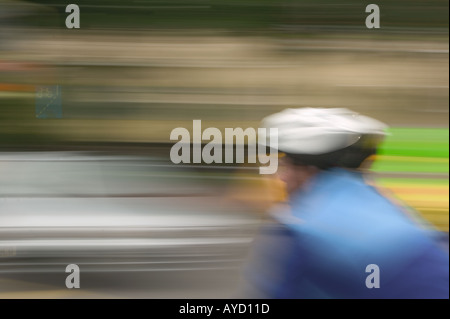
339	237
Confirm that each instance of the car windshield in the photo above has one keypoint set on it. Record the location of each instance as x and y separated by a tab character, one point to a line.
74	174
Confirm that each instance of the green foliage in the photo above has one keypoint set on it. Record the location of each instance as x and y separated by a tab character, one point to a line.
245	15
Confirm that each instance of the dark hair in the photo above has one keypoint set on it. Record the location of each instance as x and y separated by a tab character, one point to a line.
350	157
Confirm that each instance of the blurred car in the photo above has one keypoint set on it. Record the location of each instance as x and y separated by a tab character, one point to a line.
113	213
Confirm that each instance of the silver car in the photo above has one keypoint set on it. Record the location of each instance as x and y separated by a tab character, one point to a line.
110	214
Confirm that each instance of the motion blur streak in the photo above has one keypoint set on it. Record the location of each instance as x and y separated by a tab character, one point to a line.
86	116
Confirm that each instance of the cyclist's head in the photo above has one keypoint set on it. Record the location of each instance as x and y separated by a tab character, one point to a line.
322	138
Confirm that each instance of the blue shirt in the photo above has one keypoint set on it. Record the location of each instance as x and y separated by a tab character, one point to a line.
337	227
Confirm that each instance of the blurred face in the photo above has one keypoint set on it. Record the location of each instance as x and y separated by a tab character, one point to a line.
294	176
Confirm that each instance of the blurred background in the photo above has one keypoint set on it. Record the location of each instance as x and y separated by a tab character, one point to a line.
86	116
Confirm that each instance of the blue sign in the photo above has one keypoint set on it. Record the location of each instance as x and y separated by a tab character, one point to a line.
48	102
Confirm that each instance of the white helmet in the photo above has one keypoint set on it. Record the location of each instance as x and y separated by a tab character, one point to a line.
315	131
